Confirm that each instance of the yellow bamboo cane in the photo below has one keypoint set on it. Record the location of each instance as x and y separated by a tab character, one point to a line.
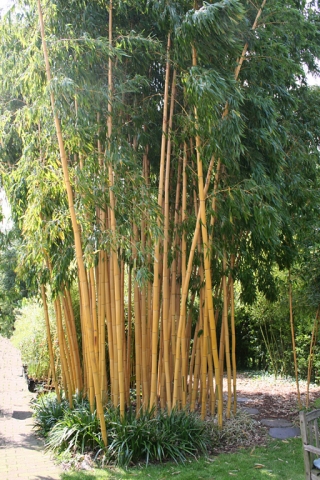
211	383
144	334
115	388
137	327
156	270
69	307
64	365
197	365
174	281
165	276
192	359
102	326
123	333
129	339
69	348
51	355
77	237
109	325
72	336
204	354
206	254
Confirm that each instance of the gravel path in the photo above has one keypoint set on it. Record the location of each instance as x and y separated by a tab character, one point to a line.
21	452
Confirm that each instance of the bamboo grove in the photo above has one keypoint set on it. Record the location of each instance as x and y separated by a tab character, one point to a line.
146	149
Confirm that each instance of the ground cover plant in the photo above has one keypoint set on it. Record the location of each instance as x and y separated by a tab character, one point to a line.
148	436
47	411
155	436
77	430
242	449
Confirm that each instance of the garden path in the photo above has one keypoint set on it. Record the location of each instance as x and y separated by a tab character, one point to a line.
21	452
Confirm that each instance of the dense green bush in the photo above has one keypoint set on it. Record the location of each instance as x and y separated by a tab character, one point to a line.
12	289
30	337
153	436
78	430
264	334
47	411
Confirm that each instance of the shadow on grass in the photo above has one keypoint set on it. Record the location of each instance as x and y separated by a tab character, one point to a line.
191	470
105	474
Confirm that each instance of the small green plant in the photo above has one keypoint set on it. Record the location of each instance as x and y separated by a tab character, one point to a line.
47	411
78	430
79	400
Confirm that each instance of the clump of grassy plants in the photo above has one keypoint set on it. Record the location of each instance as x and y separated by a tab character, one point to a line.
77	431
154	437
148	437
47	411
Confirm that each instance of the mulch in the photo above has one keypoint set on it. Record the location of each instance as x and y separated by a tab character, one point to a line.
271	398
275	397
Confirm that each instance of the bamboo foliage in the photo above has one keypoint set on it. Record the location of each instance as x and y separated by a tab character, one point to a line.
157	217
159	356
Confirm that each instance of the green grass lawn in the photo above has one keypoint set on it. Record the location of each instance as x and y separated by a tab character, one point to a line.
279	460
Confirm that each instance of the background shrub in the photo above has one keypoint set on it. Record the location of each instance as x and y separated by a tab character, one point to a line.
30	337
